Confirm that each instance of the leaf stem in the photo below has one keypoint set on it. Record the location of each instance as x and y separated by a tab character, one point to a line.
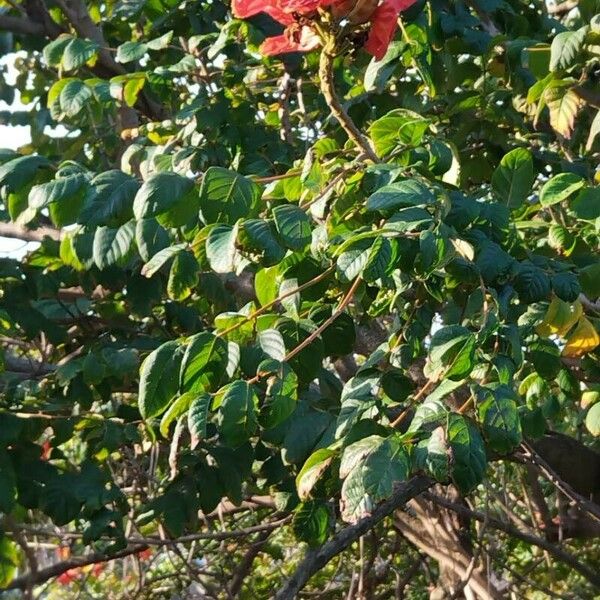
319	330
337	110
269	305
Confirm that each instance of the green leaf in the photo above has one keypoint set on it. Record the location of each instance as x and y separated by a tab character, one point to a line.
160	43
184	275
226	196
586	206
272	344
8	486
350	264
370	469
566	48
293	226
432	455
237	417
307	363
221	248
409	219
159	379
592	420
432	411
307	430
94	369
78	52
160	194
204	363
589	277
513	179
312	471
110	201
451	353
545	356
499	417
493	262
112	245
408	192
151	239
531	283
559	188
566	286
74	96
64	196
9	561
61	189
400	126
53	51
198	417
281	394
130	51
161	258
19	172
594	131
468	453
176	409
379	71
260	236
560	238
311	523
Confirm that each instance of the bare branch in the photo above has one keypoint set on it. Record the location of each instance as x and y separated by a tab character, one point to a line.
21	583
317	559
592	576
21	26
14	231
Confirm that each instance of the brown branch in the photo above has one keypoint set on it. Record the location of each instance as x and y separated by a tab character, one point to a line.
21	583
591	575
315	560
333	101
534	458
246	563
317	332
563	7
21	26
14	231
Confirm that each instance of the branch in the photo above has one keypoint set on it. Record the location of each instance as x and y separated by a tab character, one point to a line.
592	576
245	566
315	560
21	26
21	583
534	458
12	230
337	110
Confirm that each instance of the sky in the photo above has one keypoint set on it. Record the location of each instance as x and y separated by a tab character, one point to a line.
13	138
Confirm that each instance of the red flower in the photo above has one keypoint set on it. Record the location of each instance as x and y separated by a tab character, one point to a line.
46	450
145	554
384	22
68	576
300	37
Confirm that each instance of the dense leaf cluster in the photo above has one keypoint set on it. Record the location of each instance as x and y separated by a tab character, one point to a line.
230	300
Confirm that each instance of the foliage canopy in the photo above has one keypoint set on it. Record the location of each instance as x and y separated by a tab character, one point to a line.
275	299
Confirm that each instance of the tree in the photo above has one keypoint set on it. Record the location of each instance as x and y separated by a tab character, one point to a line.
317	322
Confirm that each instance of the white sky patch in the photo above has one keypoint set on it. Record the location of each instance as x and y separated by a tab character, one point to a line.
13	137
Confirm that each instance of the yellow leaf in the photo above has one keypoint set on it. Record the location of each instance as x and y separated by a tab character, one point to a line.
464	249
560	317
584	339
563	107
